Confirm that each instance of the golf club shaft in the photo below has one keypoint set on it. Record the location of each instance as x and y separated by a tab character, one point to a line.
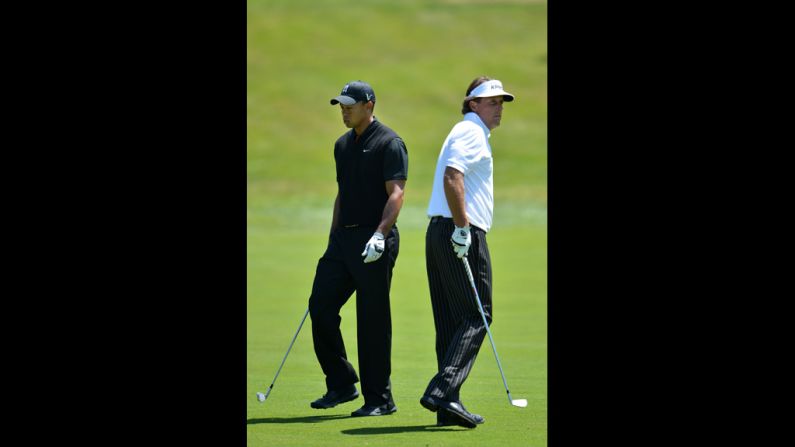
288	351
485	323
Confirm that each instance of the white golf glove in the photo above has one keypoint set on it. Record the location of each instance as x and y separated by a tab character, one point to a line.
374	248
461	240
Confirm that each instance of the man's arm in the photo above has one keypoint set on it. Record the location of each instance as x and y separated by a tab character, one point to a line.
375	246
335	217
394	188
454	192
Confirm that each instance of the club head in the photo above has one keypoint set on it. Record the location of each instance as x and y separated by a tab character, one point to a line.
519	402
261	397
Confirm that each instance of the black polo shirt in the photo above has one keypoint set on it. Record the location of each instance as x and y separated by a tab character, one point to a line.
362	169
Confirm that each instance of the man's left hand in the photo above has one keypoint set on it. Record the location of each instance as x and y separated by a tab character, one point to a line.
374	248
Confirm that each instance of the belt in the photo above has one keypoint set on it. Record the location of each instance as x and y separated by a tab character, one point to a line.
440	219
356	225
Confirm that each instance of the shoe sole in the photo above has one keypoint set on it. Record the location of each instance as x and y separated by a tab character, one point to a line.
347	399
460	424
462	421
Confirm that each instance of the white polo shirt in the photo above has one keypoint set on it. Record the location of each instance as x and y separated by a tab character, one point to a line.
467	149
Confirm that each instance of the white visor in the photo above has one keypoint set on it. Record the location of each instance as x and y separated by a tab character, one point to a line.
490	88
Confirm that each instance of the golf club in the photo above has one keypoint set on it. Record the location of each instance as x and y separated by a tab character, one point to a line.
515	402
261	397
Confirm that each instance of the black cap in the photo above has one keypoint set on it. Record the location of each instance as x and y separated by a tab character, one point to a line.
353	92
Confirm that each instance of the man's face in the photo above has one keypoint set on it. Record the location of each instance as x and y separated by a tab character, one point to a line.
489	110
355	114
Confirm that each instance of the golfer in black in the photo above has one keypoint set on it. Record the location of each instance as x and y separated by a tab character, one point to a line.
460	211
372	167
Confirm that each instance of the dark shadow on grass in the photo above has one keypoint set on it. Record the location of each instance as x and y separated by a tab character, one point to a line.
403	429
300	420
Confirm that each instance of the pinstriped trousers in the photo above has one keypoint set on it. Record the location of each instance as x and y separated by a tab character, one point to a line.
459	326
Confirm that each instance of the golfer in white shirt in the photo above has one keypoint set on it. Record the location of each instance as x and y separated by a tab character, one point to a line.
460	211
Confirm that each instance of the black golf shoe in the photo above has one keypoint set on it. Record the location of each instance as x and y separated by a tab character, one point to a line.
336	397
372	410
444	418
455	409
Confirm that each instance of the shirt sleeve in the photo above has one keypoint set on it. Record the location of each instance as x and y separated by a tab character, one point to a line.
396	161
464	148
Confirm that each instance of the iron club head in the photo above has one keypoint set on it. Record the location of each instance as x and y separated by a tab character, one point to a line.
261	397
519	402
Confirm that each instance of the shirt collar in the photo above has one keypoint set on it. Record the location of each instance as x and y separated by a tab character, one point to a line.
368	130
475	118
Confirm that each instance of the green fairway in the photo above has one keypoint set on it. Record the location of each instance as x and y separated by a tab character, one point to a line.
419	56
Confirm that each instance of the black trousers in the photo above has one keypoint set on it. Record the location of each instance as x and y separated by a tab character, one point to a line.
459	327
340	272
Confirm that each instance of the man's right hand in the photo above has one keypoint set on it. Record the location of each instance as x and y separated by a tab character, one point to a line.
461	240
